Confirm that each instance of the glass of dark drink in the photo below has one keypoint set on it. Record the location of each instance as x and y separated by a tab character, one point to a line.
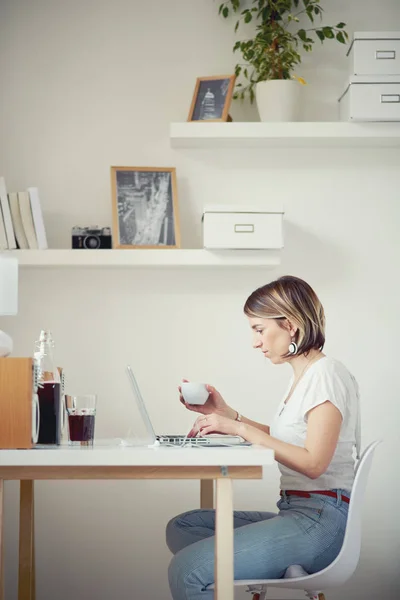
81	411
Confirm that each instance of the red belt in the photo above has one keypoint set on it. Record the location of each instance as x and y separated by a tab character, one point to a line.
304	494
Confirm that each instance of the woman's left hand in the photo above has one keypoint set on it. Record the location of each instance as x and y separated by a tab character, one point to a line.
214	423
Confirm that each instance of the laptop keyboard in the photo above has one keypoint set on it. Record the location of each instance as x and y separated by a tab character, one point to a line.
181	439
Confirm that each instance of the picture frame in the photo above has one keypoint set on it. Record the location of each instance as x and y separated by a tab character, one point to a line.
145	207
212	98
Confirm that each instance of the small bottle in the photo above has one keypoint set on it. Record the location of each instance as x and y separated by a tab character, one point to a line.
49	391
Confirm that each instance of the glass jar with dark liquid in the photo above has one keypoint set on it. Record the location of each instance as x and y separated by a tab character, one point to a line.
51	408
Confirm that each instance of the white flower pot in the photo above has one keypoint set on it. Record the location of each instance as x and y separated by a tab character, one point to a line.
278	100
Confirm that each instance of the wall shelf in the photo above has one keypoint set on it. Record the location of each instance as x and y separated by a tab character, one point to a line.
146	258
293	134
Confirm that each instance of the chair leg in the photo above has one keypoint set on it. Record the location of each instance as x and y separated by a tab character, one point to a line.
315	595
259	592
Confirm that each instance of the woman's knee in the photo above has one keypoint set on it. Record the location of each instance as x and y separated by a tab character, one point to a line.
171	533
174	529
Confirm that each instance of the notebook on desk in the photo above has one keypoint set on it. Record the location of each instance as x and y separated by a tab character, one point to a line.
214	440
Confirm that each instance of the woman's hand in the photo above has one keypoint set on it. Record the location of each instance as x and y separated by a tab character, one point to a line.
214	423
214	404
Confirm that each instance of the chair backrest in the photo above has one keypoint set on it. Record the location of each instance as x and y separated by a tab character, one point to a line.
345	563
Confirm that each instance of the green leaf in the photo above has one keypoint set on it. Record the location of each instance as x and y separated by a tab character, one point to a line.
248	17
328	33
340	37
221	6
264	13
341	25
225	11
320	34
236	46
317	10
302	35
236	26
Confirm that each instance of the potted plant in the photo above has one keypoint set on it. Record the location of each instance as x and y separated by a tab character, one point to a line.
273	53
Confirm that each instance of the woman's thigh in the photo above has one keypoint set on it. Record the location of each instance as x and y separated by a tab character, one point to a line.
196	525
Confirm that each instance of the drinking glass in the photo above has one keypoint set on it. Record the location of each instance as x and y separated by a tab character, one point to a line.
81	411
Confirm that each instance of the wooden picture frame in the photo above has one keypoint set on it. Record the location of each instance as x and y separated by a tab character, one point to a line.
212	98
145	207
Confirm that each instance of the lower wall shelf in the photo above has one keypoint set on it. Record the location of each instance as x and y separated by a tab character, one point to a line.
146	258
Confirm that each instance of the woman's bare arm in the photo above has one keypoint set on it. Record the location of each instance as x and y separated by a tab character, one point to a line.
256	425
232	414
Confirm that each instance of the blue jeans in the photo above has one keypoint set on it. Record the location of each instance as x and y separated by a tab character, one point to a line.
306	531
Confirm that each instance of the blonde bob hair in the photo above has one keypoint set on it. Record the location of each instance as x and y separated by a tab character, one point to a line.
291	299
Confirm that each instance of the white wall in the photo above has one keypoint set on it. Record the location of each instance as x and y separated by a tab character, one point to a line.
86	85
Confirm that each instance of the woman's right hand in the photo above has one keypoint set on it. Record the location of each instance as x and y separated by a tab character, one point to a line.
214	404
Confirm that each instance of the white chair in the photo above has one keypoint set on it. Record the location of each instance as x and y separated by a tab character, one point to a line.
341	569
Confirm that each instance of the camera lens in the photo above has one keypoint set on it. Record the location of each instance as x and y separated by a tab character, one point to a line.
91	242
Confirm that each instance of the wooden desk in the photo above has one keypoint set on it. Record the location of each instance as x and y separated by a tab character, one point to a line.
207	464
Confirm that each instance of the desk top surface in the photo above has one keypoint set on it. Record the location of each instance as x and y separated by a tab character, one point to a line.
137	456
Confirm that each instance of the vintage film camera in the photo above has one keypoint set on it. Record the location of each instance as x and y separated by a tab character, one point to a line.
91	238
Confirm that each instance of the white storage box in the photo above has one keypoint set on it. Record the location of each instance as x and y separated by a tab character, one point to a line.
367	99
375	53
231	227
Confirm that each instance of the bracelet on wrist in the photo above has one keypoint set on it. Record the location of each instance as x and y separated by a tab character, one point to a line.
238	416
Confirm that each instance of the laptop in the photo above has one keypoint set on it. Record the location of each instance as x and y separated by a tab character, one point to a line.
214	440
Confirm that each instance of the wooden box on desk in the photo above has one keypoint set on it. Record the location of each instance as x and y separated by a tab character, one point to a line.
16	403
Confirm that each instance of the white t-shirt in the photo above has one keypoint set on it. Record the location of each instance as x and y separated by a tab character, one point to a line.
326	379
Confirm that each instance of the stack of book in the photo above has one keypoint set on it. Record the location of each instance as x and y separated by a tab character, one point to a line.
21	220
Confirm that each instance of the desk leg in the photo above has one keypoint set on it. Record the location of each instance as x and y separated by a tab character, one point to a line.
1	539
33	586
206	493
224	541
26	577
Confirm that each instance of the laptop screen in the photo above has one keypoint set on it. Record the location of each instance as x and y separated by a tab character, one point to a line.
141	405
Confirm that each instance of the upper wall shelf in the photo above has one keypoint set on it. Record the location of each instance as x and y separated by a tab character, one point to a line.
146	258
293	134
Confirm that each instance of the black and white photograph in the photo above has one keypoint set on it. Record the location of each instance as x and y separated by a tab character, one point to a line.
212	98
145	207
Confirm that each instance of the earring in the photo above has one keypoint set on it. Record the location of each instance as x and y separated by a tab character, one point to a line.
293	347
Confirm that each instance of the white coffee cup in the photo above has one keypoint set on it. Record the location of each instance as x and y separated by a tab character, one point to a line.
194	393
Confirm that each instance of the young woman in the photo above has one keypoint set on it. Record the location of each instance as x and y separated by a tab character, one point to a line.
312	434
